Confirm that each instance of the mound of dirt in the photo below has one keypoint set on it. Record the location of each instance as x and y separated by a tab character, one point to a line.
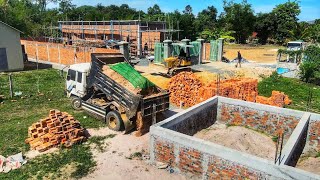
311	164
120	79
241	139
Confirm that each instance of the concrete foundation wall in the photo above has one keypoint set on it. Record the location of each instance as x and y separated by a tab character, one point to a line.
197	118
171	143
269	119
313	138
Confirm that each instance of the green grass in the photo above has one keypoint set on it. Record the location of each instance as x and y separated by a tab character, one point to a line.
16	117
297	91
99	142
53	165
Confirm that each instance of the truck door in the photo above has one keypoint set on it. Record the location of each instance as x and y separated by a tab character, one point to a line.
80	83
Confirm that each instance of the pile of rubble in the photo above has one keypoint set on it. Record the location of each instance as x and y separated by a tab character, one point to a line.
185	88
59	128
277	99
245	89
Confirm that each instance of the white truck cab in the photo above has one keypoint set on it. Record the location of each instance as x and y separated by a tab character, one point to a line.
295	45
77	79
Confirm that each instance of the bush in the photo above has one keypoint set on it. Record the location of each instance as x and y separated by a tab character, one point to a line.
310	68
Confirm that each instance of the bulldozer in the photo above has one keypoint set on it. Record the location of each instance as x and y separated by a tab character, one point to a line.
176	64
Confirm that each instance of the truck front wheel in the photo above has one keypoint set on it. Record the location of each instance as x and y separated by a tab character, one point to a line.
114	121
76	103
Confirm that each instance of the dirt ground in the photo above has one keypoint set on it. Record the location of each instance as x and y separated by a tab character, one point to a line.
311	164
208	72
118	161
241	139
261	54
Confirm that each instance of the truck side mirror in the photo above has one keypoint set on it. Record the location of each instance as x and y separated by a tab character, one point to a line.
68	77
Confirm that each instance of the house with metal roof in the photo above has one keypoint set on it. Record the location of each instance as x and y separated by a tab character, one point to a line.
11	58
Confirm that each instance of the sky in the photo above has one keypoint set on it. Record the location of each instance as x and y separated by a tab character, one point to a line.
310	9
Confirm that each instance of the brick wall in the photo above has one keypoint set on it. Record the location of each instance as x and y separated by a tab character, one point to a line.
198	164
61	54
219	168
164	152
268	122
314	135
206	160
206	51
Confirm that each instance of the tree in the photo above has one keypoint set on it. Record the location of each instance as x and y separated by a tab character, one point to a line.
206	19
155	13
187	10
264	26
65	6
238	17
186	23
310	68
286	18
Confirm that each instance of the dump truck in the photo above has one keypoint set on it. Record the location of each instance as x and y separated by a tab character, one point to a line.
94	91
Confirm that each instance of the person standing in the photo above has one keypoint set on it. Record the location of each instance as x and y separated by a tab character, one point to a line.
145	49
239	59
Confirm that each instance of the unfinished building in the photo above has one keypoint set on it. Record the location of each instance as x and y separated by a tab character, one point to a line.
177	142
138	33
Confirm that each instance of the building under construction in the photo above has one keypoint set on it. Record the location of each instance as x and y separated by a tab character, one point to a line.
139	34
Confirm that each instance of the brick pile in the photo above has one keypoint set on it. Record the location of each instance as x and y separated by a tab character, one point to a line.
184	88
244	89
59	128
277	99
187	88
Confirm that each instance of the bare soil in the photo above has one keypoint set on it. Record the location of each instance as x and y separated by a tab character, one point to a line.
121	160
120	79
261	54
241	139
311	164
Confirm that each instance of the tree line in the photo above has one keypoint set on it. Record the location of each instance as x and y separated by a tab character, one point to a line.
237	22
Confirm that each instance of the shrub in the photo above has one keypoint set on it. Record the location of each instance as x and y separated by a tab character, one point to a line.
310	68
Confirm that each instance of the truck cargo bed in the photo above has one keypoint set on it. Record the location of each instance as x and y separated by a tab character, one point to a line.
153	103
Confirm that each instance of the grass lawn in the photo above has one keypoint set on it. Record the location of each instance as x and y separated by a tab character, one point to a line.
16	116
297	91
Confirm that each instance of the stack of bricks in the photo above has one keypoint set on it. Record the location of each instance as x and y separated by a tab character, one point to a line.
59	128
277	99
187	88
184	89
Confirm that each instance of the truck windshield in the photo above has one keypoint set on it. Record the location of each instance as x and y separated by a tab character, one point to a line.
71	75
293	45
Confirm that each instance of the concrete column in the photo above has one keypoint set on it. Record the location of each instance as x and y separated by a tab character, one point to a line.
139	40
124	49
201	48
167	48
186	42
220	48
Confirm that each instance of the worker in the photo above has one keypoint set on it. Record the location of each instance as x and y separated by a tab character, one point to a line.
145	48
239	59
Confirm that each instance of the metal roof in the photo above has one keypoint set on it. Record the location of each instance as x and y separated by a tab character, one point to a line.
11	27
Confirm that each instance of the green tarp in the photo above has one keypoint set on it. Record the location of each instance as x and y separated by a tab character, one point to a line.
133	76
213	50
158	52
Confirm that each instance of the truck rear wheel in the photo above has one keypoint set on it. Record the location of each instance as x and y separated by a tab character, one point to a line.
114	121
76	103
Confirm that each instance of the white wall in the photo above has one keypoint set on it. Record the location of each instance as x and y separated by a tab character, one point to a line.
10	39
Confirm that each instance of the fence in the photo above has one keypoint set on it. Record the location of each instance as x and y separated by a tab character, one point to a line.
61	54
29	83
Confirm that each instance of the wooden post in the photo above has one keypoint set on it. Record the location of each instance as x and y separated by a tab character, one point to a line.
10	85
59	54
154	112
37	54
48	52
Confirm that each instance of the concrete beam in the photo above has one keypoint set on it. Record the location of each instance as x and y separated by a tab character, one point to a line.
295	144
